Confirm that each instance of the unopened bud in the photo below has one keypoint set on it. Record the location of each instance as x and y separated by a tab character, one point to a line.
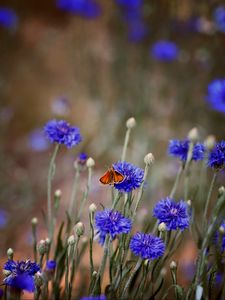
34	221
90	162
193	135
38	279
189	203
210	142
162	227
79	228
10	253
92	208
173	265
131	123
48	241
222	229
58	193
149	159
71	240
94	274
221	190
146	262
42	249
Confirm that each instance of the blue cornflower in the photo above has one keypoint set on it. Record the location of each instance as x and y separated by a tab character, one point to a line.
62	132
133	176
22	274
37	141
216	94
8	18
174	214
147	245
179	148
82	158
219	18
84	8
164	51
101	297
216	158
51	265
111	222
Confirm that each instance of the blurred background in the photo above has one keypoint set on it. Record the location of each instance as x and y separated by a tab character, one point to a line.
95	63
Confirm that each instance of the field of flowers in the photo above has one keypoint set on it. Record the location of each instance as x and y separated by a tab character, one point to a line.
112	153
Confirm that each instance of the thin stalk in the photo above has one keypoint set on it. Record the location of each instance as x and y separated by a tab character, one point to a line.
209	195
102	265
34	235
127	137
51	171
174	279
41	260
177	180
73	266
74	191
85	193
91	215
137	266
187	170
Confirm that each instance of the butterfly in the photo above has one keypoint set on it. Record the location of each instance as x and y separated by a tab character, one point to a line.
111	177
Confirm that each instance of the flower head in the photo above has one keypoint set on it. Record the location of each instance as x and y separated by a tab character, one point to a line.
217	156
174	214
147	246
133	176
82	158
111	222
179	148
164	51
51	265
21	274
62	132
8	18
216	94
84	8
101	297
219	18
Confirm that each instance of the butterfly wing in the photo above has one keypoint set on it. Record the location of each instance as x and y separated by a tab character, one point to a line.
107	178
117	177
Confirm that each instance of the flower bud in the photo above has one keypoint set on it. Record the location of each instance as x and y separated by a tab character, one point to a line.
162	227
71	240
92	208
90	162
149	159
58	193
193	135
131	123
221	190
79	229
38	279
222	229
42	249
189	203
210	142
173	265
10	253
48	241
34	221
94	274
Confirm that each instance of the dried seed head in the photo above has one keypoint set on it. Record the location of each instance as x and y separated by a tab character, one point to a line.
149	159
92	208
131	123
71	240
210	142
173	265
58	193
193	135
90	162
79	229
34	221
162	227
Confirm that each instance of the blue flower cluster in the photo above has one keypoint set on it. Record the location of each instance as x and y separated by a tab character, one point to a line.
219	18
216	158
179	148
21	274
164	51
147	246
62	132
133	16
8	18
111	222
216	94
173	214
133	176
89	9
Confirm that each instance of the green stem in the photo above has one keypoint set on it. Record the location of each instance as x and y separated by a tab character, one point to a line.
127	137
74	191
85	194
209	195
177	180
51	171
34	234
137	266
91	215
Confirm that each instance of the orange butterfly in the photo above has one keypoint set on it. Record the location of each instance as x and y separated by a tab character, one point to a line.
111	176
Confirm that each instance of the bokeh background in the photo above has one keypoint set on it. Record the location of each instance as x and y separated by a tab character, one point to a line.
92	63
